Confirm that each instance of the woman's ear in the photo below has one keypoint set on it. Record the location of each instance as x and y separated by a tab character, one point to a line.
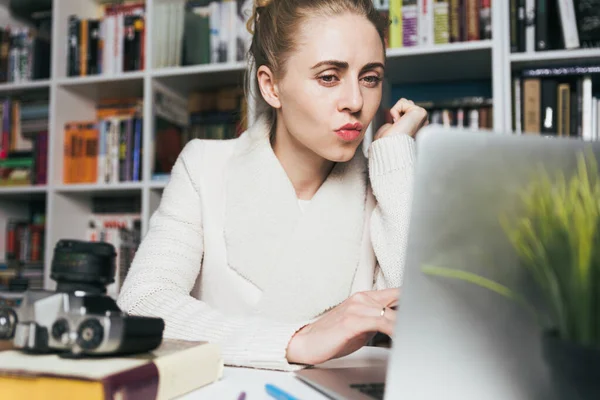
267	86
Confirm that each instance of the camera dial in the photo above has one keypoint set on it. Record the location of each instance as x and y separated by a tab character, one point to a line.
90	334
59	328
8	323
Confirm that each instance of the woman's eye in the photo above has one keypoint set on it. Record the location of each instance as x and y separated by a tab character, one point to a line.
328	79
372	80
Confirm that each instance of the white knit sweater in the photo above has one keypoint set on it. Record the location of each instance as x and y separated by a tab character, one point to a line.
231	258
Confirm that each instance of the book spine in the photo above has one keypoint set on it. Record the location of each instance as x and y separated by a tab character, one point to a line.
425	22
531	105
562	71
83	49
586	95
140	383
129	150
564	109
455	21
395	24
122	170
485	19
549	109
441	9
541	26
521	25
137	147
410	23
128	43
93	55
4	54
588	15
530	14
568	23
517	104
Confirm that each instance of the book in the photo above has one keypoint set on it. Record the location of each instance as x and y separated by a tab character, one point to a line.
173	369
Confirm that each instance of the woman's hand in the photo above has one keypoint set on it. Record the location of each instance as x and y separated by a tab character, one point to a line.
345	328
408	119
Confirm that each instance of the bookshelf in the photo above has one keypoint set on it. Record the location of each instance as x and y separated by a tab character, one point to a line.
75	98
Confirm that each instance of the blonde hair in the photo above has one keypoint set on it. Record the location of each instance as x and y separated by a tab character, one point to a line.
274	24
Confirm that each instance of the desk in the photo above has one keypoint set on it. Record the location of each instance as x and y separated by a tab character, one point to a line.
252	381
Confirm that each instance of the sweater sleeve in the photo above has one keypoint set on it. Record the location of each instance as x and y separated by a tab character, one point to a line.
391	166
165	269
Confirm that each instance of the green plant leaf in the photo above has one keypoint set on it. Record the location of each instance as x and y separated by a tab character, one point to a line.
482	282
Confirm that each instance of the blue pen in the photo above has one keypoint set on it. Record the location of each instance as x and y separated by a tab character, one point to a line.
278	394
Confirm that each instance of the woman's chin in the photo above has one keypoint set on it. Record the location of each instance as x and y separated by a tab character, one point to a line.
344	154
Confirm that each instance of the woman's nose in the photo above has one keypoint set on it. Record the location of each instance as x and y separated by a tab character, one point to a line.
351	98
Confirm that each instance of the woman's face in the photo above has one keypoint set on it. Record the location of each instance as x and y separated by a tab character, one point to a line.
332	85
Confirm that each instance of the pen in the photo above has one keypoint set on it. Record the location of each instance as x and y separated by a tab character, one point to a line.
277	393
242	396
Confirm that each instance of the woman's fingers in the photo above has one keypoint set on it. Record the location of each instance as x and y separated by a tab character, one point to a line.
385	297
400	108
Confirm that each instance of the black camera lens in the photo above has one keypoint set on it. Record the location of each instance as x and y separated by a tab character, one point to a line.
85	266
59	328
90	334
8	323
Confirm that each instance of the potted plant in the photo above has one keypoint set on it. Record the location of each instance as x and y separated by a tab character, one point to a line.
557	240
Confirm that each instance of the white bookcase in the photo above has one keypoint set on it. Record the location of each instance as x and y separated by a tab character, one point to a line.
74	98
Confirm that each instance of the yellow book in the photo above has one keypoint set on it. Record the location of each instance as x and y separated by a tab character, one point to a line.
173	369
395	23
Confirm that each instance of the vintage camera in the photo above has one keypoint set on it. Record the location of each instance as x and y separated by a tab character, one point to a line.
79	319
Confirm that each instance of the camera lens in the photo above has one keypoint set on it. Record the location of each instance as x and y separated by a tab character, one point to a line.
8	323
84	266
59	328
90	334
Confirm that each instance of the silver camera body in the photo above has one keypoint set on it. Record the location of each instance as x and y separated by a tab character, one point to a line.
78	323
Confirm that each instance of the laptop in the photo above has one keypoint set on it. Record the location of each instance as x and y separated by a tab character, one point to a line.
455	340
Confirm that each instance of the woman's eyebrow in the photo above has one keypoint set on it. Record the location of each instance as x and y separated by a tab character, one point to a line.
373	65
335	63
344	65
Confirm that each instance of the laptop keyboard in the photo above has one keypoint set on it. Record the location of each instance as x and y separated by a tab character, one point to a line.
374	390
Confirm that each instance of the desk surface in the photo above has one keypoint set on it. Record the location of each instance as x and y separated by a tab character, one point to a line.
252	381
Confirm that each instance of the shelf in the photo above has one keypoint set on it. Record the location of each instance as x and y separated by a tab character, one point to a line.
94	188
158	184
453	61
555	57
94	79
199	77
12	87
439	48
128	84
22	192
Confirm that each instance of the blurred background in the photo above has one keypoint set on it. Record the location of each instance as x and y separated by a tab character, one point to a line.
97	99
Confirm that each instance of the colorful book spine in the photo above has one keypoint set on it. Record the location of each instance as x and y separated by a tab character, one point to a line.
410	23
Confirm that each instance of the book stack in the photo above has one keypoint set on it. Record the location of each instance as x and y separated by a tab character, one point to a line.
109	45
25	239
24	55
540	25
108	150
200	32
23	141
469	112
170	371
430	22
116	220
560	101
216	114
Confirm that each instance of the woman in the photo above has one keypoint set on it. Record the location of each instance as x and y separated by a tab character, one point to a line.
286	245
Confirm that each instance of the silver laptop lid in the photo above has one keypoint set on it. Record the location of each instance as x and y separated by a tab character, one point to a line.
453	339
